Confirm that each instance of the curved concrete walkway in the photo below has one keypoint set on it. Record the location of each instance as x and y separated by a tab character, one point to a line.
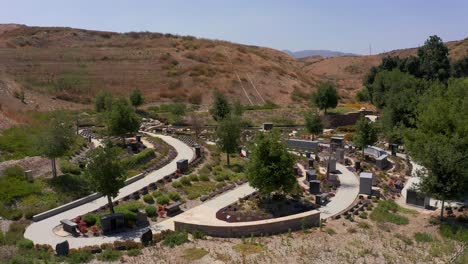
41	232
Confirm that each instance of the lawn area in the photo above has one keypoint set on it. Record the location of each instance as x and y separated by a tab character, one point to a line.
390	212
247	248
192	254
197	189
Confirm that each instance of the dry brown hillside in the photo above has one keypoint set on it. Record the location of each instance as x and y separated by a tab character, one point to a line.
73	64
348	71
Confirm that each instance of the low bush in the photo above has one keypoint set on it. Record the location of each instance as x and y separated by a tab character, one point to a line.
134	252
156	194
90	219
174	196
14	171
163	199
198	234
454	231
204	177
185	181
67	167
176	184
109	255
80	257
423	237
151	211
148	199
175	239
25	244
363	215
193	177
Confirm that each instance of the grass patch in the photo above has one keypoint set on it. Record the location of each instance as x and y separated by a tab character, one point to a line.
405	239
363	225
454	231
109	255
388	212
248	248
330	231
198	189
134	252
192	254
175	239
423	237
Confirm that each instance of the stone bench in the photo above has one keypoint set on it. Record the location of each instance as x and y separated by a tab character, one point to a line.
69	226
173	208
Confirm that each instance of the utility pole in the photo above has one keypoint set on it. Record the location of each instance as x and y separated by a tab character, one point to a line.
370	49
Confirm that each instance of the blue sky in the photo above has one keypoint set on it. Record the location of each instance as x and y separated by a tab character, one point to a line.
348	26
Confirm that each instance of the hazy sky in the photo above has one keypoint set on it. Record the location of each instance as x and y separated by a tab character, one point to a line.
348	26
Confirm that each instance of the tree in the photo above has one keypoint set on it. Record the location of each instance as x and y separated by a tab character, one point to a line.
325	97
366	133
221	108
136	98
237	108
228	134
105	172
197	123
57	139
434	61
460	67
313	123
122	119
439	143
103	101
270	168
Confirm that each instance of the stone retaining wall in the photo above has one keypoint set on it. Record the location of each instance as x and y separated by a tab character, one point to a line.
256	228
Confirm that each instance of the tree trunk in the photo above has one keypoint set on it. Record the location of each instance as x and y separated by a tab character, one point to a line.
442	210
111	206
227	157
54	167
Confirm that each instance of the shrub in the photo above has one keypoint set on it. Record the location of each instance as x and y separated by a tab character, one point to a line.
174	196
193	178
453	231
150	211
163	199
423	237
204	177
185	181
198	234
148	198
79	257
90	219
156	194
134	252
68	167
363	225
220	185
140	158
363	215
175	239
110	255
176	184
16	215
25	244
14	171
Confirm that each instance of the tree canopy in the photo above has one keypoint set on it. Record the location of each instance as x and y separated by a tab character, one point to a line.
313	123
439	142
434	61
122	119
460	67
228	134
325	97
221	107
103	101
57	139
105	172
136	98
270	168
366	133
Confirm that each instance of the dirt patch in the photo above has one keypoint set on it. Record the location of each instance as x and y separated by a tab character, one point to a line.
40	166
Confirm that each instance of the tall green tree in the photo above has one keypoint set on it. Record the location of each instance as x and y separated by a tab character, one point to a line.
122	119
439	143
57	139
434	61
313	123
228	134
325	97
366	133
460	67
221	107
237	108
270	168
105	172
136	98
103	101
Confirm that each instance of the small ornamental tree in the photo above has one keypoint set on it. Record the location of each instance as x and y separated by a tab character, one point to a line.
57	139
228	134
313	123
366	133
270	168
122	119
221	107
136	98
325	97
105	172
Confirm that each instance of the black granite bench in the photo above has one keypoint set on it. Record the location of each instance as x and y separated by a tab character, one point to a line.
69	226
173	208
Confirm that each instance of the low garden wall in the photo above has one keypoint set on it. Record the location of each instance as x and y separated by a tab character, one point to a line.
256	228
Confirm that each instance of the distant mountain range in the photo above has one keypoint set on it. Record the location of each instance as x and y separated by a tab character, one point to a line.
324	53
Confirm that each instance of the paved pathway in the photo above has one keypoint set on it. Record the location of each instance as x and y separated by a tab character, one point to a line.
41	232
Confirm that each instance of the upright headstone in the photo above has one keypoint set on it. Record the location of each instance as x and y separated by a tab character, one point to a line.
331	164
62	249
317	158
147	237
141	219
311	163
339	155
182	165
381	162
308	154
415	198
314	187
357	165
29	175
311	175
267	126
394	148
319	199
112	222
138	138
296	170
337	141
198	151
365	183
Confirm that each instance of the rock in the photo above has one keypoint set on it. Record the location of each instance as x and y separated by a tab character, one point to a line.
147	237
63	248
